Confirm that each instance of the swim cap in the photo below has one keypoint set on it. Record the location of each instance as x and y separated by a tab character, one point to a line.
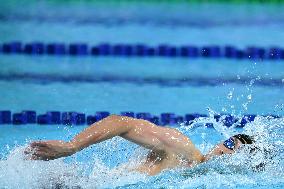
245	139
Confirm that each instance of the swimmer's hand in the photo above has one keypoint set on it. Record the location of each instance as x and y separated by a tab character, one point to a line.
49	150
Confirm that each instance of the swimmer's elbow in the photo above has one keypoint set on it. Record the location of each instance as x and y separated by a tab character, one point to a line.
123	123
113	117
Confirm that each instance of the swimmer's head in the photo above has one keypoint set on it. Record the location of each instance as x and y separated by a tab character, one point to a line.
234	143
230	145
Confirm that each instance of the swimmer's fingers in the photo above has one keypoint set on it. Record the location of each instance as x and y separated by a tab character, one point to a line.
38	152
49	150
38	144
33	157
41	155
35	146
28	150
36	155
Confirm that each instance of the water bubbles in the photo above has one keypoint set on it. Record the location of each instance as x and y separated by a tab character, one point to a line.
245	106
251	82
230	95
249	97
278	108
222	172
211	112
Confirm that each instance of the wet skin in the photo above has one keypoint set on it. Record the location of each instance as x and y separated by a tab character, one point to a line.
220	149
168	147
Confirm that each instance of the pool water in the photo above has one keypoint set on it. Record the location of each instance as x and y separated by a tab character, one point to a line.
105	165
156	85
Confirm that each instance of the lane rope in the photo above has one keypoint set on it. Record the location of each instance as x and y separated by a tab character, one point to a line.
142	50
78	118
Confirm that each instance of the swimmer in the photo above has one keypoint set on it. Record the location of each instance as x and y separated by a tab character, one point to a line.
168	148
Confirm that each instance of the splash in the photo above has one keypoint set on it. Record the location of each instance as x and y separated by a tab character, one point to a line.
261	168
18	172
228	171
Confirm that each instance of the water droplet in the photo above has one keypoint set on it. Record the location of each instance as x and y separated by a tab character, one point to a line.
251	82
249	97
230	95
238	77
282	80
245	106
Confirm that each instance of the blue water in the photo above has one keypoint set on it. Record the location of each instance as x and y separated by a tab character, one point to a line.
105	165
156	85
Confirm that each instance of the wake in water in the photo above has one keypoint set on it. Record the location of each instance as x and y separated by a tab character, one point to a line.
237	170
17	172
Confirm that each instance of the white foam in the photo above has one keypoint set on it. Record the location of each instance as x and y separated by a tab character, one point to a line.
223	172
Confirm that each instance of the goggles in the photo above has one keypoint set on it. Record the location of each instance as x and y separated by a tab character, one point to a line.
229	143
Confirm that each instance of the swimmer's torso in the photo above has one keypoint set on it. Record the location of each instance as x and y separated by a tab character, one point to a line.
169	148
159	161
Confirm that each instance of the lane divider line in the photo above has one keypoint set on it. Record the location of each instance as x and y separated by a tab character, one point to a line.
78	118
143	50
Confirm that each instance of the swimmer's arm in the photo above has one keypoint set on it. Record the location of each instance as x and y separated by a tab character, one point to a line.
139	131
136	130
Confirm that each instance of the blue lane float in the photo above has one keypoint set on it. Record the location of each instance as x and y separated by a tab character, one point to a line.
212	51
5	117
143	50
77	118
78	49
36	48
56	49
13	47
